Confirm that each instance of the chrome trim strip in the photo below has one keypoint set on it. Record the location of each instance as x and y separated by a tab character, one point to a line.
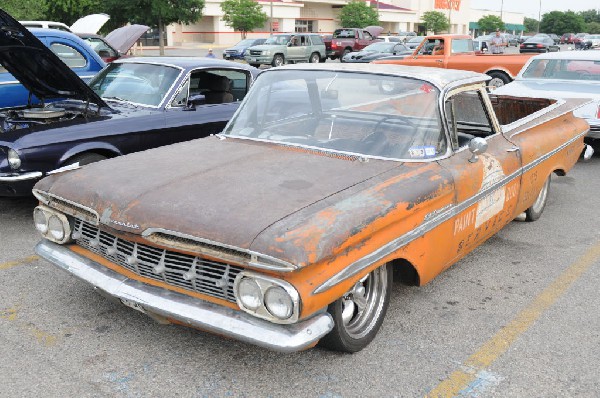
40	194
285	266
10	82
20	177
165	303
427	226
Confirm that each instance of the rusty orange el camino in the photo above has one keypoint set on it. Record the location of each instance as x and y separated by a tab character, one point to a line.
285	229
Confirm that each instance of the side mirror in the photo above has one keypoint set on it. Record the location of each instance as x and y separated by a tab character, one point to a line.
477	146
194	101
289	44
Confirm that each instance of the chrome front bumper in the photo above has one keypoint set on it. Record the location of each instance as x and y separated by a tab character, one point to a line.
20	177
162	303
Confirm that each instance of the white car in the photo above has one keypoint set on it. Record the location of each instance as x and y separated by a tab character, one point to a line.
592	41
568	74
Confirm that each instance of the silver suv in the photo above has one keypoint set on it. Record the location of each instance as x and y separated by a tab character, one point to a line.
287	48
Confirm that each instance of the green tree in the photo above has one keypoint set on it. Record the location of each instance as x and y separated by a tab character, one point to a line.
490	23
69	11
25	9
243	15
592	27
531	24
435	21
562	22
357	14
590	16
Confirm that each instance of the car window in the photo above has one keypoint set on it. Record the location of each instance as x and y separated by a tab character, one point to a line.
69	55
99	45
58	27
212	86
462	45
467	117
566	69
365	114
316	39
344	34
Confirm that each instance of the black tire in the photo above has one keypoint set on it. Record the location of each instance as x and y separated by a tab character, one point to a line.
346	51
537	208
355	328
85	158
323	60
278	60
498	79
315	58
255	65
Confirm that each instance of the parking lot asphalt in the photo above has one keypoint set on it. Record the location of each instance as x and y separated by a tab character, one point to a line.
517	317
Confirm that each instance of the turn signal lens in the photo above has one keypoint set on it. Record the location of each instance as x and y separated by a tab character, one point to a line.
13	159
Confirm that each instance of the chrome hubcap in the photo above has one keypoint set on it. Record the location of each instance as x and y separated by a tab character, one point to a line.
362	305
496	82
541	199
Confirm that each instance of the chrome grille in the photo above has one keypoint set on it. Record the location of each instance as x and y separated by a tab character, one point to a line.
185	271
255	52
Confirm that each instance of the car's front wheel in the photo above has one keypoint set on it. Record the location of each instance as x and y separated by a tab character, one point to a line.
537	208
358	315
278	60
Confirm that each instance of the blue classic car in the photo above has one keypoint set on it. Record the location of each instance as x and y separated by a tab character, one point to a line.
132	105
72	50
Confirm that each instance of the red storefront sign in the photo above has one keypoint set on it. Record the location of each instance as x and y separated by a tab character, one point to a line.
447	4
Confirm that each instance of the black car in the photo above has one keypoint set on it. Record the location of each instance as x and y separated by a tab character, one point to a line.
376	51
538	44
555	37
239	50
132	105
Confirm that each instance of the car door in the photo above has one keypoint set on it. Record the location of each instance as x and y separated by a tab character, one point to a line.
424	55
189	116
296	51
487	185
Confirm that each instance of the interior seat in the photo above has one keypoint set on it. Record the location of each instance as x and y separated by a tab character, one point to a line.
219	90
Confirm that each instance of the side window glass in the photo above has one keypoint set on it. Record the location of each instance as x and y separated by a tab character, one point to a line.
467	117
69	55
181	98
218	86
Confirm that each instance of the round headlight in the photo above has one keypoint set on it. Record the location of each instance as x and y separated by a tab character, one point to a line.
40	221
13	159
249	294
56	228
279	303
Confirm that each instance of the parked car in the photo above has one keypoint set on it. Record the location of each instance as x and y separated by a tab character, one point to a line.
388	39
567	38
579	41
511	40
69	48
117	43
282	48
568	74
287	229
87	24
100	46
132	105
522	38
377	50
555	37
406	36
239	50
414	42
538	44
347	40
591	41
46	25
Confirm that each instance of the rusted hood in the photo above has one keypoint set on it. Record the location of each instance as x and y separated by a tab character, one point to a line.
227	191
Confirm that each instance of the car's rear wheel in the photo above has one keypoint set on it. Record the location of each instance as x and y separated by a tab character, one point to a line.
314	58
346	51
498	79
85	158
278	60
358	315
537	208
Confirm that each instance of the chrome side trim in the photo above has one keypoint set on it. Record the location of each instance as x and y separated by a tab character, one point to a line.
162	303
387	249
67	206
254	256
20	177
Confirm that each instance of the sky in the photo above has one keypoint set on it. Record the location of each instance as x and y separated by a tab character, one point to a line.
531	7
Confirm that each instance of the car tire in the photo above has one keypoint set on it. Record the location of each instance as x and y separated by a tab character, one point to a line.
85	158
323	60
354	328
255	65
537	208
346	51
278	60
498	79
314	58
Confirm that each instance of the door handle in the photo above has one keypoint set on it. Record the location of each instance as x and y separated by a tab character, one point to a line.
439	60
513	149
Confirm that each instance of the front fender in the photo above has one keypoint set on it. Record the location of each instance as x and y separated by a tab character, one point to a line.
89	147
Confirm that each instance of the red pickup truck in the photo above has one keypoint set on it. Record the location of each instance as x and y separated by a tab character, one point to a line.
346	40
456	52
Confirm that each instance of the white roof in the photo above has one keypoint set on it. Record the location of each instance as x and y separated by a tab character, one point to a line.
591	55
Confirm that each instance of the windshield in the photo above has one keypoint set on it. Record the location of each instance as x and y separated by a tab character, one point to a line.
563	69
358	113
381	47
283	39
143	84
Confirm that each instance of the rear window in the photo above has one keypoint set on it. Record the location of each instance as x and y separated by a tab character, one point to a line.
462	46
316	39
344	34
69	55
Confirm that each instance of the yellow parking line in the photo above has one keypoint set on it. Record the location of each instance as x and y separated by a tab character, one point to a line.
498	344
22	261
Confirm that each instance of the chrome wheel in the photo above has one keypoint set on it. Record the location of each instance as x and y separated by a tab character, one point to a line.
277	60
315	58
359	313
537	208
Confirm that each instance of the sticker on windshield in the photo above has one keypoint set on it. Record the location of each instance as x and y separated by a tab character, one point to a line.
426	88
421	151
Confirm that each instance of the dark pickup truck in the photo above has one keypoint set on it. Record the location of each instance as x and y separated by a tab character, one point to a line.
346	40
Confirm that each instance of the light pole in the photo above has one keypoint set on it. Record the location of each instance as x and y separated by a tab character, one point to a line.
539	17
271	19
449	16
501	9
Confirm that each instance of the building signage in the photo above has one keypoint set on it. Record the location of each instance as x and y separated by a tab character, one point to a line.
447	4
